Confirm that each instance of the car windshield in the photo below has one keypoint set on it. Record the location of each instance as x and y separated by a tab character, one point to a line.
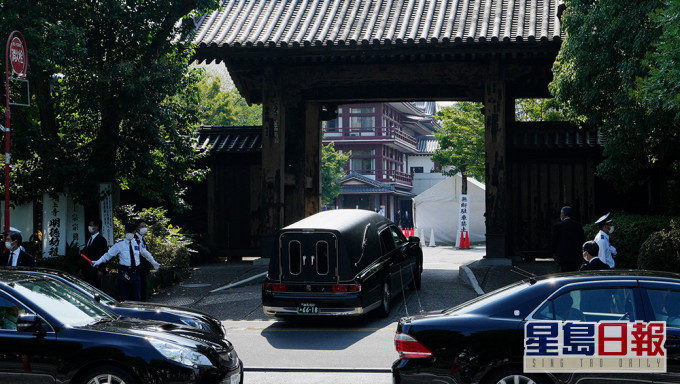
68	305
104	298
481	301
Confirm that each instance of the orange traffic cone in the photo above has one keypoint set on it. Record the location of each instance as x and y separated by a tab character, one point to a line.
467	240
461	242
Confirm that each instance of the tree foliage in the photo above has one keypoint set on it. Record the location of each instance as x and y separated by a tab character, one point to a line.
538	110
461	140
226	107
332	172
114	99
614	72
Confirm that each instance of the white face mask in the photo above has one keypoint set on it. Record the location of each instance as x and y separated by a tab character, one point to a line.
611	229
90	229
142	231
129	236
8	244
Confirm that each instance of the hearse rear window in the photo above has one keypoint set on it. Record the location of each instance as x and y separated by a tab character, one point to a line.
295	257
322	258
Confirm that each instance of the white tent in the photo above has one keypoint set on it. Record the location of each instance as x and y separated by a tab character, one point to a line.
438	208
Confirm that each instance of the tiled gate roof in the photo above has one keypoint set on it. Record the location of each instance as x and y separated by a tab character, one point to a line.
315	23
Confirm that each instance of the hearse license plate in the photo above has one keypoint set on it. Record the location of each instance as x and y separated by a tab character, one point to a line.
308	309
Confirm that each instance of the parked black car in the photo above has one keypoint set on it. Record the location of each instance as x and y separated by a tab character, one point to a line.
340	262
140	310
50	332
482	341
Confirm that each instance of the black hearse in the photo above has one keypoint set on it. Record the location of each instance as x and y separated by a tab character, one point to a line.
340	262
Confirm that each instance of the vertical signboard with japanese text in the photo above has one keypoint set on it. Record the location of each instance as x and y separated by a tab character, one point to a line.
106	211
54	225
75	225
463	218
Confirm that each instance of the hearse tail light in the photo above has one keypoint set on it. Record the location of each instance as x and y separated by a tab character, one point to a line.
275	287
410	348
347	288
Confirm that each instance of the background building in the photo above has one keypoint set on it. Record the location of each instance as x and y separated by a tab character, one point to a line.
382	139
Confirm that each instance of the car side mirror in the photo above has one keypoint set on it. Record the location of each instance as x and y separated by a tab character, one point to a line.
97	298
29	323
414	240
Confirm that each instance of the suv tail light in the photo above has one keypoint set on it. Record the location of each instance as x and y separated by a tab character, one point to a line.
347	288
275	287
410	348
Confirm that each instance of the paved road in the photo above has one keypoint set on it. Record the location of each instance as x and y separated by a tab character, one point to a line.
307	345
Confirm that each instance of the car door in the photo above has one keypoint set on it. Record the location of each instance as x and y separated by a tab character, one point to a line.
407	251
24	357
662	303
395	259
594	302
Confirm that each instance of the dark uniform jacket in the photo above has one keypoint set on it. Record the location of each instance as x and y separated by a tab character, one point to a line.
24	260
93	252
567	243
595	264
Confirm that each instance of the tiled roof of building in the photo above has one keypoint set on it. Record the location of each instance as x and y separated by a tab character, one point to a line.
427	145
368	186
231	139
314	23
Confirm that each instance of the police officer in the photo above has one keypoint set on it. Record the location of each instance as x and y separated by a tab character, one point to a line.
607	252
128	252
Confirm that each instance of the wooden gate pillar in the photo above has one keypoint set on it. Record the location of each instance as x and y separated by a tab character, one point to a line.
495	125
302	191
312	180
291	159
273	160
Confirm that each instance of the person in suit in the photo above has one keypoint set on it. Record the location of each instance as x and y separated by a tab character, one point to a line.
16	256
567	239
593	262
95	247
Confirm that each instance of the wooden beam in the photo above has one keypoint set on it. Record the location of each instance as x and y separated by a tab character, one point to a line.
273	156
495	116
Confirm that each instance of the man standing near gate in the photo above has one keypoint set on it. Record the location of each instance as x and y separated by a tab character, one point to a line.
567	240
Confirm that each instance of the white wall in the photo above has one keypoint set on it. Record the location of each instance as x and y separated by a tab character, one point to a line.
424	181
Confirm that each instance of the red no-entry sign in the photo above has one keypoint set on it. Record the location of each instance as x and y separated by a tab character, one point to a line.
17	56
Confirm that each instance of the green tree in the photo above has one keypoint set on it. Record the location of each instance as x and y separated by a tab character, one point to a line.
661	88
461	141
609	48
114	99
226	107
539	110
332	172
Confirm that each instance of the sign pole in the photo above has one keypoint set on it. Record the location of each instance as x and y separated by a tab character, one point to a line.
15	54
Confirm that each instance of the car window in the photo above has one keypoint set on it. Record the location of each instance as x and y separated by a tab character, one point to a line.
9	313
594	304
387	241
398	237
560	308
665	305
104	298
65	303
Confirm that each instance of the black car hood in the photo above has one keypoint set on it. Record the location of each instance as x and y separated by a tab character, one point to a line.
154	307
183	335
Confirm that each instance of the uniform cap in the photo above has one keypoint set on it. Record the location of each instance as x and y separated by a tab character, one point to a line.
605	219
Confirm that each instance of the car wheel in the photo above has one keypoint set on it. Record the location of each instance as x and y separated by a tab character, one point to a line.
385	300
512	376
108	375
